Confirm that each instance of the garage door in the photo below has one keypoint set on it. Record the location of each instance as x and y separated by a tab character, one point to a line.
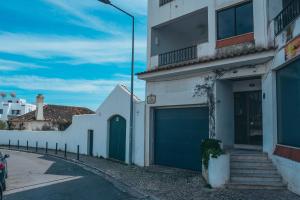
178	135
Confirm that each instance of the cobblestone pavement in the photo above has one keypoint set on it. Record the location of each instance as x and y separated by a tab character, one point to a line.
173	184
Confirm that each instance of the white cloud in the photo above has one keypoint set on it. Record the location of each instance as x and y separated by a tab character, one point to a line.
80	12
99	86
9	65
72	50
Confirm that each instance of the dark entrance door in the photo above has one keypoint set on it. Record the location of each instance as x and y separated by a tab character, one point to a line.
178	136
117	138
90	142
248	118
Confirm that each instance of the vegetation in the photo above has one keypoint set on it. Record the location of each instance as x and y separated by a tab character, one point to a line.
3	125
210	148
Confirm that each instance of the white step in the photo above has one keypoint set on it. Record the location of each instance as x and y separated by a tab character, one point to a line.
249	158
253	171
261	175
251	165
256	186
248	179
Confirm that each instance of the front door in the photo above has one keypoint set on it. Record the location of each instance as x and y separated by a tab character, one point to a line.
248	118
90	142
117	138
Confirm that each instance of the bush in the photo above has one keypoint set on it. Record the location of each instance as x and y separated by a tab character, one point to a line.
3	125
210	147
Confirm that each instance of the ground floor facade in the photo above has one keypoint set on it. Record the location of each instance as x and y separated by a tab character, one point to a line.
256	106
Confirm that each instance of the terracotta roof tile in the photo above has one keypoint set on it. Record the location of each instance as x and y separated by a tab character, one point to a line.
55	113
217	57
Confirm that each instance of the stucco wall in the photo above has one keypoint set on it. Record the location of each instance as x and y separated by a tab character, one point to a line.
117	103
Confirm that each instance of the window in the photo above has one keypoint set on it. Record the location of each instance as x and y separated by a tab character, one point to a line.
235	21
15	112
1	111
288	104
285	3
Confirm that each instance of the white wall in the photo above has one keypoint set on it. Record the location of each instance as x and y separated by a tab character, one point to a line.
290	170
117	103
225	113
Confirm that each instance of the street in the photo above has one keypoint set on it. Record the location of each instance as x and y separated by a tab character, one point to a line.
36	177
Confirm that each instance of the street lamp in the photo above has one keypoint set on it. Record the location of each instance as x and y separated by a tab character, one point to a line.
132	77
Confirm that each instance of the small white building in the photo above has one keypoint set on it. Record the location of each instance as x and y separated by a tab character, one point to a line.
12	106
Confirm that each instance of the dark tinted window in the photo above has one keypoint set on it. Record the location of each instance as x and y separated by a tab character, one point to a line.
286	2
226	18
288	104
244	19
1	111
235	21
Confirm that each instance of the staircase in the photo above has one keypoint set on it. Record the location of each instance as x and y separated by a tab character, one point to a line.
253	170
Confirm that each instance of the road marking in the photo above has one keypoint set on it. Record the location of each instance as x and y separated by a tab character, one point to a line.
30	187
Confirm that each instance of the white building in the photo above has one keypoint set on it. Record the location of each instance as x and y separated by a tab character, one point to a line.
225	69
12	106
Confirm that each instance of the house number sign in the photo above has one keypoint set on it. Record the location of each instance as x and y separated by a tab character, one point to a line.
151	99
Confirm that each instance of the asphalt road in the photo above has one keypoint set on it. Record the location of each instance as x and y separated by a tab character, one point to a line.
36	177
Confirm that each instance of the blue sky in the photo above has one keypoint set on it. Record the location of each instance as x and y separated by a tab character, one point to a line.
72	51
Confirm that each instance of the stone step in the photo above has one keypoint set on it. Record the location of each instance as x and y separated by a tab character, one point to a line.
253	171
248	158
260	175
256	186
252	165
249	179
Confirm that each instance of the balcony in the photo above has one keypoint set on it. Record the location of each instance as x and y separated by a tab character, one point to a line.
289	13
177	40
163	2
178	56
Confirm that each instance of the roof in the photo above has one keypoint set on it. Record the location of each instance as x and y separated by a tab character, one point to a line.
55	113
217	57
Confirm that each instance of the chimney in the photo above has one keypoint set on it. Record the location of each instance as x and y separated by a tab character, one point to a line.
39	113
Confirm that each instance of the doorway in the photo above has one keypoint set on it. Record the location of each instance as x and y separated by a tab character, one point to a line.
248	118
117	138
90	142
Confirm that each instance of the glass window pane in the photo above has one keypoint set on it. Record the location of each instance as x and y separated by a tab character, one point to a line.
244	19
226	23
288	102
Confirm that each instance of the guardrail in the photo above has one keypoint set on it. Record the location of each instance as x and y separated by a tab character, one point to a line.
42	149
178	56
286	16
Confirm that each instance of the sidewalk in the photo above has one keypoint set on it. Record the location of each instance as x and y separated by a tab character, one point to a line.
169	184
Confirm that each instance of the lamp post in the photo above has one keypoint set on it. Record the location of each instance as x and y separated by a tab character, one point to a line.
108	2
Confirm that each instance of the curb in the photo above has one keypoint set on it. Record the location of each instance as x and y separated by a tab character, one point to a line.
97	171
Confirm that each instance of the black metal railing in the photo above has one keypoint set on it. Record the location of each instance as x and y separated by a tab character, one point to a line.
286	16
163	2
177	56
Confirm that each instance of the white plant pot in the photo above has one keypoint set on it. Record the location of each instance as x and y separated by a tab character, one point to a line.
218	172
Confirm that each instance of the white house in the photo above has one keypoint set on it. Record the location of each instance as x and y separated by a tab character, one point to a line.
225	69
103	134
11	106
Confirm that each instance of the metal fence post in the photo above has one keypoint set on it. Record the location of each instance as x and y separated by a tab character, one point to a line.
8	144
27	145
46	147
36	146
65	150
77	152
56	146
18	144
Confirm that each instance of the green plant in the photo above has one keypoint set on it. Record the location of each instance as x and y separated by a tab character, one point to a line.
210	147
3	125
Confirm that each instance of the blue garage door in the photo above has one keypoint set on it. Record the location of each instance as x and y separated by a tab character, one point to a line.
178	136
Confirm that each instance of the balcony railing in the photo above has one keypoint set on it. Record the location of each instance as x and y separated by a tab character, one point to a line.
163	2
287	15
177	56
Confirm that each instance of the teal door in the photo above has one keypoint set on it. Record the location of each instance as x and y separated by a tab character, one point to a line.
178	135
117	138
